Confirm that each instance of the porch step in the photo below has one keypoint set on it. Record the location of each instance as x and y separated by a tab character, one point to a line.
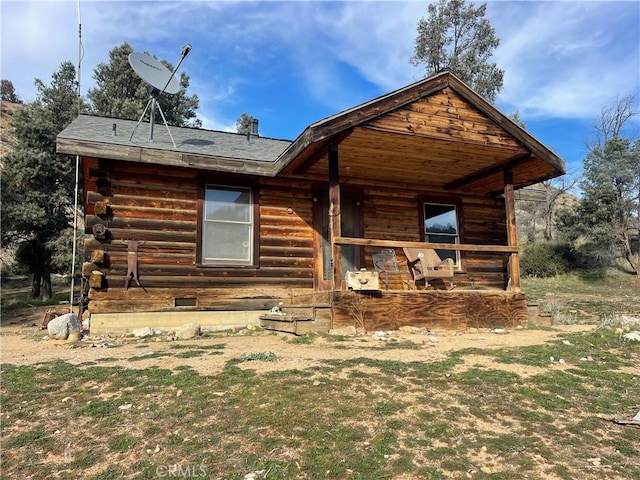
298	320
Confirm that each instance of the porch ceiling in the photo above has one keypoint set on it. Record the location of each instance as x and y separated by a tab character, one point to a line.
370	154
436	133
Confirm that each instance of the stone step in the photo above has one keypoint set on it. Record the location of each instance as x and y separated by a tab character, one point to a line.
297	320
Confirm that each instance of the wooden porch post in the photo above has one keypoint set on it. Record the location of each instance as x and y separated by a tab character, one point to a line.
512	233
335	229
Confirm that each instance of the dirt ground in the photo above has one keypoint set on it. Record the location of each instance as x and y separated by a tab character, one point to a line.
22	342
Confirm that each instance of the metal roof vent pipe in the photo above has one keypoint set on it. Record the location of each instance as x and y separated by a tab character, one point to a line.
253	130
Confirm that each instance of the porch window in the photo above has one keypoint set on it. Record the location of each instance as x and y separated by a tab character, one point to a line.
441	226
227	226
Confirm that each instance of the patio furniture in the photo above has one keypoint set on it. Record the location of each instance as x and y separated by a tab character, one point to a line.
425	264
386	262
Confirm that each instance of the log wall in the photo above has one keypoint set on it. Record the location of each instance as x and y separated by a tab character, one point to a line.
158	206
395	215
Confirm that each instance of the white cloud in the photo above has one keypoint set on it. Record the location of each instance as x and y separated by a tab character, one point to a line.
566	59
210	121
32	50
562	59
377	39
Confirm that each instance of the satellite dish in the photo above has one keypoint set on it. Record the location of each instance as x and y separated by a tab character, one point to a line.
154	73
161	79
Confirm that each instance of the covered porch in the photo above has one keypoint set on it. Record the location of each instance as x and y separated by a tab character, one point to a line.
434	143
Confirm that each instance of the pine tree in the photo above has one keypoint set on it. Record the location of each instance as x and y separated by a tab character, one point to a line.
608	212
458	37
8	92
243	123
37	183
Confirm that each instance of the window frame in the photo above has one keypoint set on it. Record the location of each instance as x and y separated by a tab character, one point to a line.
254	234
459	237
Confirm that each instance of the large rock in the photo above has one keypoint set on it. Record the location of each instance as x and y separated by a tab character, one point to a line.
627	321
143	332
188	331
632	336
60	327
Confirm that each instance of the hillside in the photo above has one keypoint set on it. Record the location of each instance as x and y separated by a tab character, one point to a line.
7	139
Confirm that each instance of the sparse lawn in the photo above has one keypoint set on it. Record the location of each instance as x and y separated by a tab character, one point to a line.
361	418
584	298
501	413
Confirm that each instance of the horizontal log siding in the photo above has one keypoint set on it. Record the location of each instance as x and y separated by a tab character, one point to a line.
484	224
446	115
451	310
395	215
158	205
389	217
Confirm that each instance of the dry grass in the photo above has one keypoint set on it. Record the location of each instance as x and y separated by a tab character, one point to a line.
361	410
466	415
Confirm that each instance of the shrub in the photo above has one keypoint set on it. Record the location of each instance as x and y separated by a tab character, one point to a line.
545	260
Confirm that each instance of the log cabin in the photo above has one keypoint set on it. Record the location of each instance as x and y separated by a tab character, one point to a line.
234	229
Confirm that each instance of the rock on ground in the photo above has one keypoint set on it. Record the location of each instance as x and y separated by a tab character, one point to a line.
188	331
632	336
60	327
143	332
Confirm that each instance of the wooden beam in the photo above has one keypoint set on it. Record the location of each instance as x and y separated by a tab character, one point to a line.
433	309
320	153
335	217
474	177
317	153
463	247
512	234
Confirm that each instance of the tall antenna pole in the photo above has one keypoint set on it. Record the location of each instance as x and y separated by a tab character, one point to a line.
79	53
75	198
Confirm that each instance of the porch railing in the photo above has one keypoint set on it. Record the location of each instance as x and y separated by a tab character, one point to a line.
513	251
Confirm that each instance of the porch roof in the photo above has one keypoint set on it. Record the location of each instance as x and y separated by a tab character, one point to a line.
436	132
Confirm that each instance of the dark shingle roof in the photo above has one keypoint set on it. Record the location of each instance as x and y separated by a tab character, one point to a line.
97	133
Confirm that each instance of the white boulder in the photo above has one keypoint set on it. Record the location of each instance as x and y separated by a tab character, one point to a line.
188	331
60	327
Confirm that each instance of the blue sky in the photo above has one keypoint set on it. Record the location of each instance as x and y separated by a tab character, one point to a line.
292	63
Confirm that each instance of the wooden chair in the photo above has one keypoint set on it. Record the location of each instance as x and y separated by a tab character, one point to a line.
385	262
425	264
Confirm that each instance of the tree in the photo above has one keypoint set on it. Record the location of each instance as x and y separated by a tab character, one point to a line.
540	200
458	37
243	123
612	121
8	92
517	119
607	215
37	184
554	191
120	93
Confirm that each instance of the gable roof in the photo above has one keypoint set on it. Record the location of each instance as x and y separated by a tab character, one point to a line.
436	132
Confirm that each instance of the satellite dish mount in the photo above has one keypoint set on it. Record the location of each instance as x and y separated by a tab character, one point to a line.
160	80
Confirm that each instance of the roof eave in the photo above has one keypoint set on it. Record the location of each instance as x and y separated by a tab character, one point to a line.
141	154
363	113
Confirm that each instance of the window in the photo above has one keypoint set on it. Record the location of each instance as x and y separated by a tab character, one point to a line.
227	226
441	226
